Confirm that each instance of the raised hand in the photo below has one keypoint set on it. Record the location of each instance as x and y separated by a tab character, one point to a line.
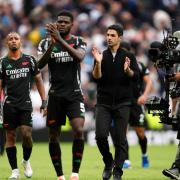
97	55
53	31
127	64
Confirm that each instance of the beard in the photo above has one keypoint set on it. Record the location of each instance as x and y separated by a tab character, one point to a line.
13	49
63	34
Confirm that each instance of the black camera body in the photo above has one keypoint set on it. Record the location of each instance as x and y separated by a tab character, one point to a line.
165	55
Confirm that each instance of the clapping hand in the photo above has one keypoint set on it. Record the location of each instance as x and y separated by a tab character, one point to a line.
97	55
53	31
127	64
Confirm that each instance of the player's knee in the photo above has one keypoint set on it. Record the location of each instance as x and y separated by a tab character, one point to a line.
27	139
78	132
10	138
10	141
53	138
141	135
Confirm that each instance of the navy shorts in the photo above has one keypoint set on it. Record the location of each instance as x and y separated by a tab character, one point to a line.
14	117
137	117
60	107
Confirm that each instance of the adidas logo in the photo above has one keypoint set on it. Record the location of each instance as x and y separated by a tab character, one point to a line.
55	49
8	66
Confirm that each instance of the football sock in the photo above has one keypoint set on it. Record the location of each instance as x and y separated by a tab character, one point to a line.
55	154
26	152
127	147
77	151
143	145
11	154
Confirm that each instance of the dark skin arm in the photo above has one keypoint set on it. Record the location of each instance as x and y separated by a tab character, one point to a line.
40	88
45	57
78	54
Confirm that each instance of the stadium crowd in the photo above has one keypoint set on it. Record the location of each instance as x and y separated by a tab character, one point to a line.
143	21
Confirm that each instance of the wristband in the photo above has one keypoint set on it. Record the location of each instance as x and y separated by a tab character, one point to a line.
44	104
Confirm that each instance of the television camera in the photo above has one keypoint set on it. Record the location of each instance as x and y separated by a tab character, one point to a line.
165	55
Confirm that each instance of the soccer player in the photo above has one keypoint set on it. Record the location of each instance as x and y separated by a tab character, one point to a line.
63	52
114	70
141	90
16	72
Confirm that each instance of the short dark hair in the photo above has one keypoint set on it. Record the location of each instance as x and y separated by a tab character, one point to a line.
66	13
118	28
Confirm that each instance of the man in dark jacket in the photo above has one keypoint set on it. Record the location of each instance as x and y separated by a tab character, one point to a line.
113	71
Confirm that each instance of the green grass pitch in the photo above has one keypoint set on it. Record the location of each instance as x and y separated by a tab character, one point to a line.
91	169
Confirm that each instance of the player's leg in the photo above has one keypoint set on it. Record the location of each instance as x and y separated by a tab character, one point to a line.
27	144
55	150
78	144
140	131
11	153
143	145
138	122
76	112
25	120
55	118
10	125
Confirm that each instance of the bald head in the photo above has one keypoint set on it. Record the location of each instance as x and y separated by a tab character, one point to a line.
13	41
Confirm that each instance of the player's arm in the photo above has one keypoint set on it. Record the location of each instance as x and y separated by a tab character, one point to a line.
148	87
41	90
97	66
78	53
176	77
39	84
44	58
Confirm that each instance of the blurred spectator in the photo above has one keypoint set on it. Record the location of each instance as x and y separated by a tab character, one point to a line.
143	21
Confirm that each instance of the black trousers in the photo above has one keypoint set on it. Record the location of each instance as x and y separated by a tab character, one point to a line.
119	114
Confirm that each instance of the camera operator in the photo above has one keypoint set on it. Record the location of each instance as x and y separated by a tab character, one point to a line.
165	55
174	171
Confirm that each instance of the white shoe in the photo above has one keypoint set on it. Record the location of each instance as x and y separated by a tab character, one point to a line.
61	178
74	176
27	168
15	174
